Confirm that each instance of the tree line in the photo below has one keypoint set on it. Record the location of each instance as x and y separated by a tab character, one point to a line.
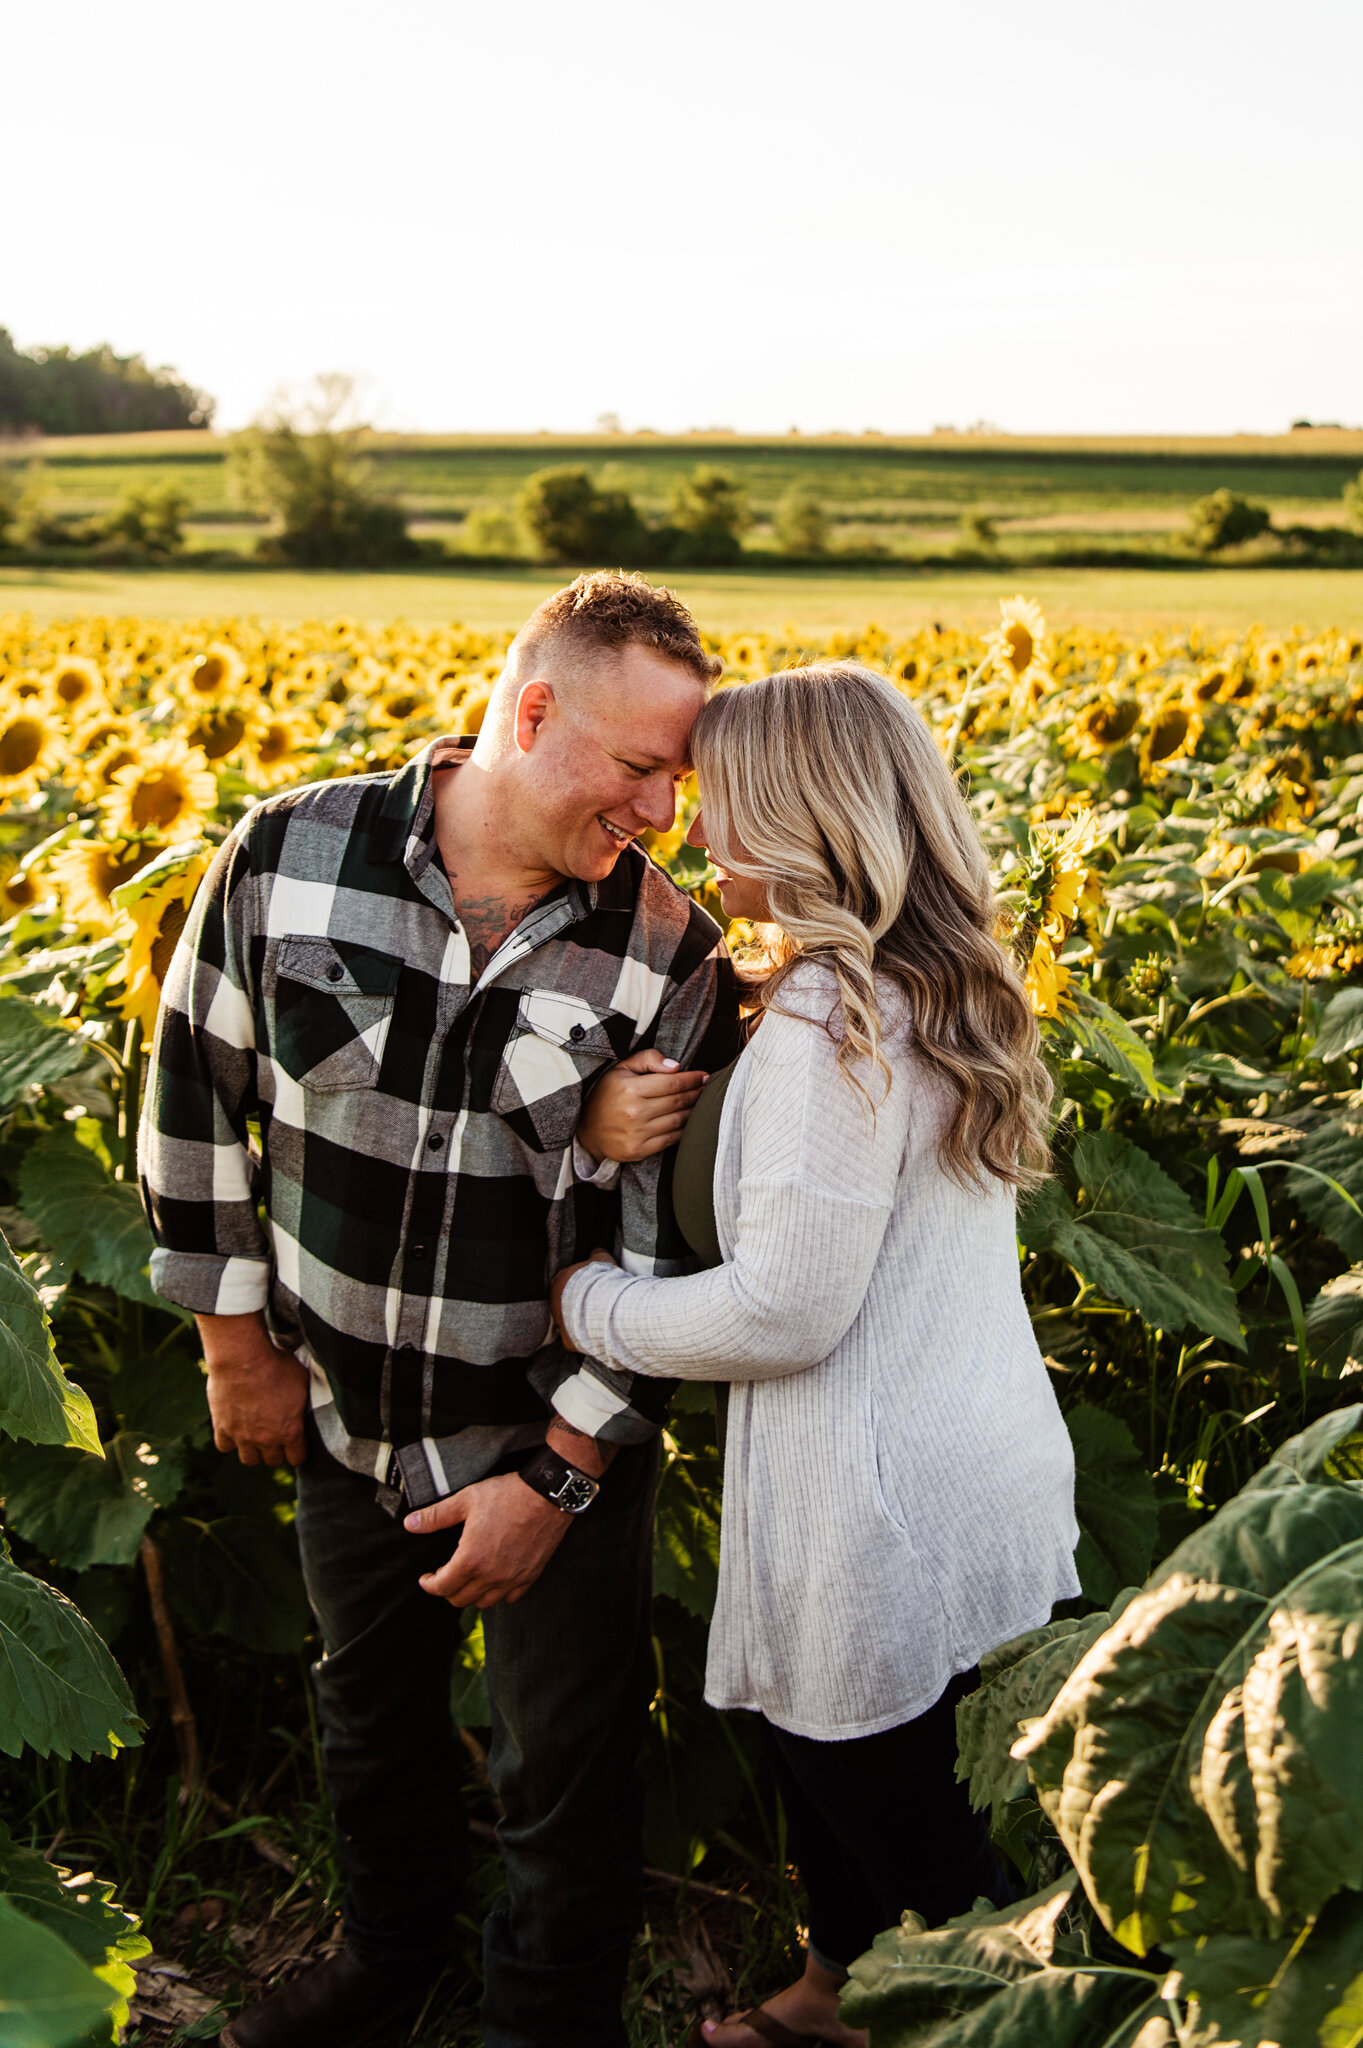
97	391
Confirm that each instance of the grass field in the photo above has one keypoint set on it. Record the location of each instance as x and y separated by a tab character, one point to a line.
818	603
896	494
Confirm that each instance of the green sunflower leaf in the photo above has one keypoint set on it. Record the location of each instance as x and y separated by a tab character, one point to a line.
61	1693
92	1221
37	1401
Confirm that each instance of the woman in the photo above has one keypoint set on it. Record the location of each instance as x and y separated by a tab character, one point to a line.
898	1482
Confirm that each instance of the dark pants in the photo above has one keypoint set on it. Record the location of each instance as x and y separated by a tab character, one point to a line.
569	1679
878	1826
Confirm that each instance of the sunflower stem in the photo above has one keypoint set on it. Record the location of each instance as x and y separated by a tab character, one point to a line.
962	708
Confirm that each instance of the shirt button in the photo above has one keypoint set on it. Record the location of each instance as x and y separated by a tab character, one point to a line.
435	1142
406	1352
336	972
421	1251
578	1031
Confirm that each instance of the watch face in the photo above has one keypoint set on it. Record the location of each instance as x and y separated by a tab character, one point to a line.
575	1494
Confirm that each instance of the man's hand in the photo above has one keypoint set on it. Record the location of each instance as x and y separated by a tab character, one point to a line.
510	1534
556	1287
639	1107
257	1394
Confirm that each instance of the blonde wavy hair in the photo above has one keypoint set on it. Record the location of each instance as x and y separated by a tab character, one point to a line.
826	786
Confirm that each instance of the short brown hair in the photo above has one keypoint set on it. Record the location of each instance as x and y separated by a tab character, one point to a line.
608	608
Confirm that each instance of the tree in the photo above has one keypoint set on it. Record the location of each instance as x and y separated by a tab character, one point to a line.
709	512
978	532
571	520
301	464
148	518
1224	519
801	525
98	392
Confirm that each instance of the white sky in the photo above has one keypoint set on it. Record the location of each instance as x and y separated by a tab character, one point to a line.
1064	215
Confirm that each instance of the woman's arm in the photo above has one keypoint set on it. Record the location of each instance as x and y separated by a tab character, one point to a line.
819	1178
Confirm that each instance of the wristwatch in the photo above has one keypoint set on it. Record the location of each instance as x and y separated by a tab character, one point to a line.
570	1490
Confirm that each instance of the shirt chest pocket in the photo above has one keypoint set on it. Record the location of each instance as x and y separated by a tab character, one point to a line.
558	1044
333	1008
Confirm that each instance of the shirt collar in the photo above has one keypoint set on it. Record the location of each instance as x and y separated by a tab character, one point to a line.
406	823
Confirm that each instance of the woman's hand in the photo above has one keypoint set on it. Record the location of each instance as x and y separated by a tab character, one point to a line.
560	1281
639	1107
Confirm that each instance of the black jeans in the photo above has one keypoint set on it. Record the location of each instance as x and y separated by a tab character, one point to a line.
569	1678
878	1826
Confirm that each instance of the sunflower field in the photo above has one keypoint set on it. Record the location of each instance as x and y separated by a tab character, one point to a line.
1176	827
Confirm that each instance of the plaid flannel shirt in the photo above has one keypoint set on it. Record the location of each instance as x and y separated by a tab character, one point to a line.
326	1059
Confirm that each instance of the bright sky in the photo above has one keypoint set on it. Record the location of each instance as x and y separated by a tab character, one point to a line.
1065	216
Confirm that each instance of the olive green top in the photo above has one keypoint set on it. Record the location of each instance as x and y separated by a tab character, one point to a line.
693	1172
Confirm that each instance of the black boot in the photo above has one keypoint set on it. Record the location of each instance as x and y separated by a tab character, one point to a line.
336	2005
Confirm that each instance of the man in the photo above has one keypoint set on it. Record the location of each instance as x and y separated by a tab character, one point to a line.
407	982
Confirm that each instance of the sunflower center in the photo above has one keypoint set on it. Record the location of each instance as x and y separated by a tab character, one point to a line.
1021	646
207	674
122	757
158	800
72	684
1167	733
218	733
167	936
20	892
109	872
21	742
274	746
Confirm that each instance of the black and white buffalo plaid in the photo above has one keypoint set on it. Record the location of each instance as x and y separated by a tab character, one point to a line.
327	1061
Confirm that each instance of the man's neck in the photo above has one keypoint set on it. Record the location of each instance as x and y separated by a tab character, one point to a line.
495	883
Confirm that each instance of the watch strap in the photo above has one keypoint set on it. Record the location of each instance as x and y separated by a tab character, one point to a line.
552	1476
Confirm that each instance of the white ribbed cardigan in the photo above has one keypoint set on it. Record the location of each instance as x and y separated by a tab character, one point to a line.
898	1483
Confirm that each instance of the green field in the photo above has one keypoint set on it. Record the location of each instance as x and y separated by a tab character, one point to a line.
817	604
898	495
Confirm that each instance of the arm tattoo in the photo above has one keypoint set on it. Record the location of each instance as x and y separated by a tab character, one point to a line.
570	1429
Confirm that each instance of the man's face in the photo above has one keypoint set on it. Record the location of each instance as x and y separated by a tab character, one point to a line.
605	757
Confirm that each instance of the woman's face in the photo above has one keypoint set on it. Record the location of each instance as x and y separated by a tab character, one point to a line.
740	894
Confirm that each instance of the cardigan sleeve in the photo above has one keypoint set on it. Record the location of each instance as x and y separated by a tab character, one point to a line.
818	1181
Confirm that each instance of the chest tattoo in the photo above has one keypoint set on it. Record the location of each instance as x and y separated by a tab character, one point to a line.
488	919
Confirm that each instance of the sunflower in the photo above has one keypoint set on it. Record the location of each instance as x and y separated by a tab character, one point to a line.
742	653
218	672
279	750
87	871
1209	682
1103	723
168	790
1045	979
222	728
77	685
398	703
117	753
1019	653
1174	729
30	745
1310	662
151	911
18	890
472	709
1072	888
1272	661
1333	949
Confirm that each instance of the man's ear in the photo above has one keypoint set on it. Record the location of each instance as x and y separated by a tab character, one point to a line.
534	702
